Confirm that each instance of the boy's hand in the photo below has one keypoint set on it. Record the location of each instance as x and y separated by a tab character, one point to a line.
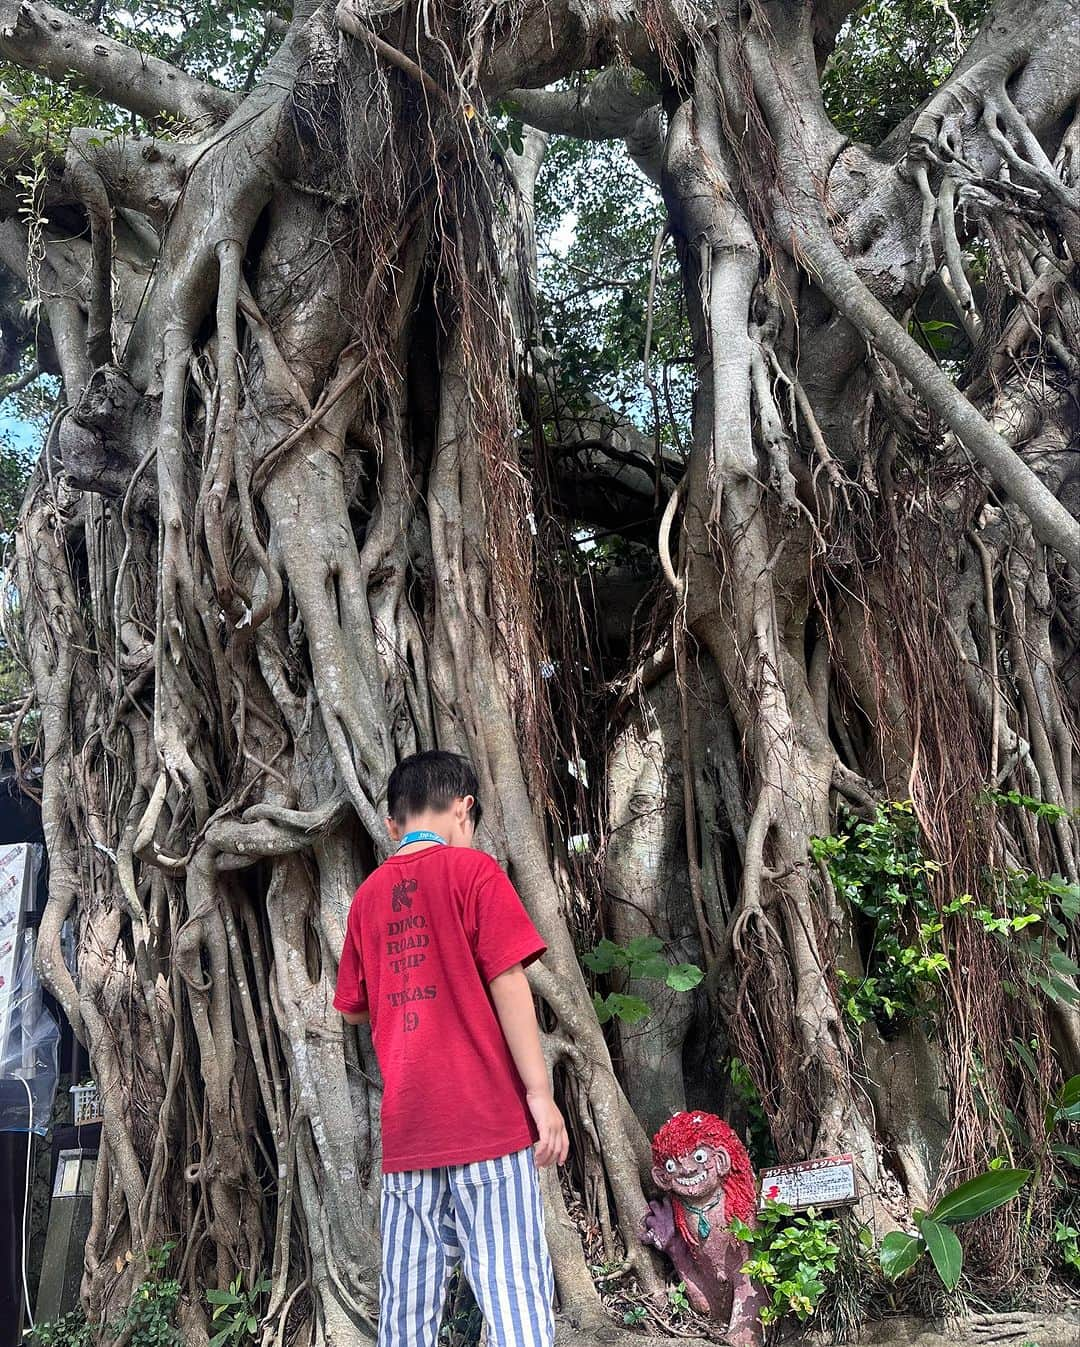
553	1143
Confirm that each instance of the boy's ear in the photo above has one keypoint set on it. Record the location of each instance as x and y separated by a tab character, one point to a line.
394	829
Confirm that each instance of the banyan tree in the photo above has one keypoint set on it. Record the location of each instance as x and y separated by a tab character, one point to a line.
773	669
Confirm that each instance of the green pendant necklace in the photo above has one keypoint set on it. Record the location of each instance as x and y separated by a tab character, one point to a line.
703	1226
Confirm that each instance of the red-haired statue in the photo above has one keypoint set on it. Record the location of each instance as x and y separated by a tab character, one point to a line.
703	1165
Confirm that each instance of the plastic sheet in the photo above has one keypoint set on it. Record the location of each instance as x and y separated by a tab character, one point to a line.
29	1034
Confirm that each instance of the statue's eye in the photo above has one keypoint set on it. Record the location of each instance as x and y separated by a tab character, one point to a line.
669	1165
701	1155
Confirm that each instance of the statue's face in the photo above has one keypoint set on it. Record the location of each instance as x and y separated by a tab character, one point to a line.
696	1174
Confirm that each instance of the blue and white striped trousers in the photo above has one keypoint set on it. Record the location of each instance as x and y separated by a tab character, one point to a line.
489	1216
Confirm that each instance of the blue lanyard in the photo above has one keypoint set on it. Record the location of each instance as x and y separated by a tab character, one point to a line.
421	835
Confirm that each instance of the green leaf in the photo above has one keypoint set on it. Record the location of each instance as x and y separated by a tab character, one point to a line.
683	976
604	957
1065	1106
1024	1053
629	1009
899	1252
644	945
655	966
222	1297
945	1250
1069	1094
980	1195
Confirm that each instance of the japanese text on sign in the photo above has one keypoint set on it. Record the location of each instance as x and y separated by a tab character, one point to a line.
829	1182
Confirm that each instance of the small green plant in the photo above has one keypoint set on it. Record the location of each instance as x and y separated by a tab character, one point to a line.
70	1330
1065	1105
634	1315
791	1257
641	958
1067	1244
677	1300
149	1320
1063	1110
900	1251
1040	808
877	867
236	1312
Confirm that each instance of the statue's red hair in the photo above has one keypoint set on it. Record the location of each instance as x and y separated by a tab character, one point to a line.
679	1136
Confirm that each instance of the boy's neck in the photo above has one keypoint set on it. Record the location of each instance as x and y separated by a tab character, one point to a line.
438	824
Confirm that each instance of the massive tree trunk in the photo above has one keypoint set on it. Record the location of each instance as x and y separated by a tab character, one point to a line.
287	528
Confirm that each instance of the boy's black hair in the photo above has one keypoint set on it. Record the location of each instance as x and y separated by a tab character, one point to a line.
432	780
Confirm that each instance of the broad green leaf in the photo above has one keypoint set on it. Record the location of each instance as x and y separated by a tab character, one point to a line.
945	1250
629	1009
655	966
1065	1105
1063	964
1024	1053
604	957
898	1252
1069	1094
979	1195
644	945
1070	1154
683	976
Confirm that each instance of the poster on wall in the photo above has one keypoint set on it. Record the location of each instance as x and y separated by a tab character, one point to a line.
16	874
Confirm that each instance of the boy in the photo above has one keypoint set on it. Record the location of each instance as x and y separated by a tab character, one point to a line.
435	950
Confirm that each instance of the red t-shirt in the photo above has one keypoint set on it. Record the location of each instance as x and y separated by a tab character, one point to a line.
427	932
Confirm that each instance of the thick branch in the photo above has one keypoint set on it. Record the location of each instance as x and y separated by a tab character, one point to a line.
553	38
40	37
606	108
839	281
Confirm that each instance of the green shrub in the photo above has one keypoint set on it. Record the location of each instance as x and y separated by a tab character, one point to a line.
150	1318
791	1257
641	958
70	1330
900	1252
235	1316
878	868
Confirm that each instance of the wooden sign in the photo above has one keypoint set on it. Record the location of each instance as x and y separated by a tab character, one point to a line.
829	1182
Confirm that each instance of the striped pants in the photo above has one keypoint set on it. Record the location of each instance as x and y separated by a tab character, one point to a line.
489	1216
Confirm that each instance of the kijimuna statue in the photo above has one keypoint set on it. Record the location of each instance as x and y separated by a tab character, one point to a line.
705	1173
